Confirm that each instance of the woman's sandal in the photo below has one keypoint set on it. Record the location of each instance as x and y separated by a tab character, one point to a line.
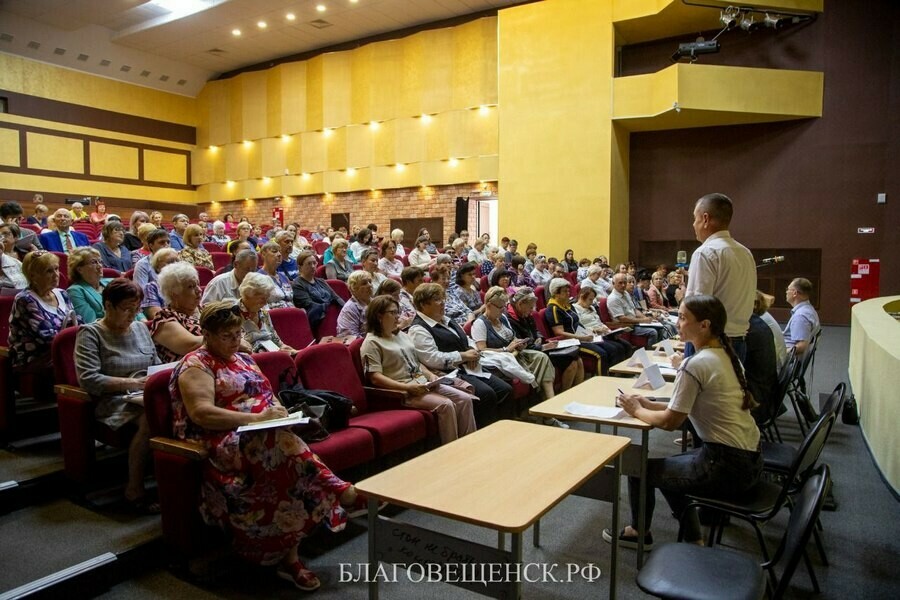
143	506
297	573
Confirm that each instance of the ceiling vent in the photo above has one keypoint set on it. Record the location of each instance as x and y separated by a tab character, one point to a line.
83	57
216	51
320	23
34	45
105	63
163	78
6	37
125	68
145	73
182	81
59	51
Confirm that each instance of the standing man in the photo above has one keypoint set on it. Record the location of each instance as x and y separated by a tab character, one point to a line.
176	236
722	267
63	240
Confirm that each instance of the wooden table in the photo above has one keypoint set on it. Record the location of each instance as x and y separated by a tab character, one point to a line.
602	391
503	477
678	345
662	360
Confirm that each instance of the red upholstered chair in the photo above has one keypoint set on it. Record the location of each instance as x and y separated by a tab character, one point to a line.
205	274
484	283
320	247
405	260
320	271
177	465
30	227
220	259
78	427
540	294
63	268
326	366
292	327
111	273
634	339
340	288
128	274
328	325
572	276
7	386
576	289
590	363
304	233
211	247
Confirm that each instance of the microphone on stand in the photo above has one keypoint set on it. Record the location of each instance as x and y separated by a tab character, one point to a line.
773	260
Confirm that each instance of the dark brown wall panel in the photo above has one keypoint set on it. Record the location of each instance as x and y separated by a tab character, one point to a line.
803	184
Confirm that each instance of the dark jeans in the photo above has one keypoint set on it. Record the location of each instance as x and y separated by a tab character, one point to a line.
711	470
492	394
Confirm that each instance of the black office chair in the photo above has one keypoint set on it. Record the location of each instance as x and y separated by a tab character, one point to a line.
765	499
767	424
700	573
797	390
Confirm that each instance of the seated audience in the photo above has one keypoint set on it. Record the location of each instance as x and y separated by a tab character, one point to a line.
266	476
156	218
454	309
711	391
390	361
193	251
111	360
363	242
520	316
282	292
11	275
397	237
595	281
78	214
259	333
656	299
477	254
233	251
388	263
143	272
144	251
760	363
803	325
368	259
675	290
511	251
777	333
113	253
99	216
521	275
132	242
86	284
180	223
218	234
541	275
175	328
352	320
563	321
420	257
442	346
430	248
229	223
486	266
39	217
243	231
312	294
502	278
339	267
583	265
568	262
287	242
225	286
619	350
39	312
465	289
622	310
64	239
410	279
153	298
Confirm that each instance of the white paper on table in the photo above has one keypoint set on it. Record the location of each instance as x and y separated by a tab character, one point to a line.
296	418
155	368
666	347
651	378
668	370
588	410
566	343
640	359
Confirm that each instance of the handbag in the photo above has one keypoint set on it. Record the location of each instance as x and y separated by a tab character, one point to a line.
331	408
850	411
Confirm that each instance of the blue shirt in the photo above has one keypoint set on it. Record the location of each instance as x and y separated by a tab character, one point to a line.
290	268
176	241
803	325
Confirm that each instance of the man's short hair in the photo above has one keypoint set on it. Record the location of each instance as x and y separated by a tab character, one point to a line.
803	286
718	206
410	274
157	234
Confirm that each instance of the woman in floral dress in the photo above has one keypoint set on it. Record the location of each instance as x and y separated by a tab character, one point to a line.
266	487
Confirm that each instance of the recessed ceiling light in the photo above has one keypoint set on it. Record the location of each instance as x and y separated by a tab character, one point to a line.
236	32
353	1
321	7
290	16
261	24
374	125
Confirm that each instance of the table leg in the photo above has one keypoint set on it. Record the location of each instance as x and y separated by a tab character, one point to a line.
614	544
501	540
516	548
536	534
642	501
373	545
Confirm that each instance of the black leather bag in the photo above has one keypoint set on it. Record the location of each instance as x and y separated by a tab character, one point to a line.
850	411
331	408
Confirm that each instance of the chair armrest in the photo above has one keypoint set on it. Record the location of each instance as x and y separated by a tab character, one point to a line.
385	399
186	449
73	392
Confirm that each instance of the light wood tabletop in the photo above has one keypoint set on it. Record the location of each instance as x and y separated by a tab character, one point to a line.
678	345
504	477
599	391
662	360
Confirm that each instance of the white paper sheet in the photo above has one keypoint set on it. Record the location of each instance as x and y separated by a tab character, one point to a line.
666	347
566	343
651	378
587	410
154	368
296	418
640	359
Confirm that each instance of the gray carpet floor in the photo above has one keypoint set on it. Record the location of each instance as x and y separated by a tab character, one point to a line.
862	537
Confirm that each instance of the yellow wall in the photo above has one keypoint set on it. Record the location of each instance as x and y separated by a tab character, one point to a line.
314	117
58	149
560	158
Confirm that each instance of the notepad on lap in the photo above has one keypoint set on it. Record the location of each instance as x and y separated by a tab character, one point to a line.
296	418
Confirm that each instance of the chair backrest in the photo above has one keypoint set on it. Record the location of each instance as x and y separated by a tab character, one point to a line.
220	259
62	350
30	227
204	274
111	273
354	349
834	402
211	247
340	288
541	324
292	326
804	514
320	247
6	304
158	403
63	268
325	367
328	325
320	271
808	454
540	293
603	310
129	274
572	276
468	328
484	284
278	367
807	357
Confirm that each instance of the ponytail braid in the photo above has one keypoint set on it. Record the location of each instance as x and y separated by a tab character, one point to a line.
749	401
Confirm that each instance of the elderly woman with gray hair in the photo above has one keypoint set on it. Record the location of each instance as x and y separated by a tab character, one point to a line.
175	328
352	319
340	266
281	294
256	289
153	299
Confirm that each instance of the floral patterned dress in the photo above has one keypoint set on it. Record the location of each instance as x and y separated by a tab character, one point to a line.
266	487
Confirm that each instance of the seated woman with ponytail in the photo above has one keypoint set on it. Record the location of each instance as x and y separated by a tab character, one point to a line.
711	391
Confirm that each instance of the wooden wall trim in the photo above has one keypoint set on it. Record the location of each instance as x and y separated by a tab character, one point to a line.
45	109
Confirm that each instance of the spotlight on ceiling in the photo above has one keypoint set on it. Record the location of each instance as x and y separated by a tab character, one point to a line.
729	16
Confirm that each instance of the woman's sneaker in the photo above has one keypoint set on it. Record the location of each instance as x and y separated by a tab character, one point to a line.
299	575
629	541
551	422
